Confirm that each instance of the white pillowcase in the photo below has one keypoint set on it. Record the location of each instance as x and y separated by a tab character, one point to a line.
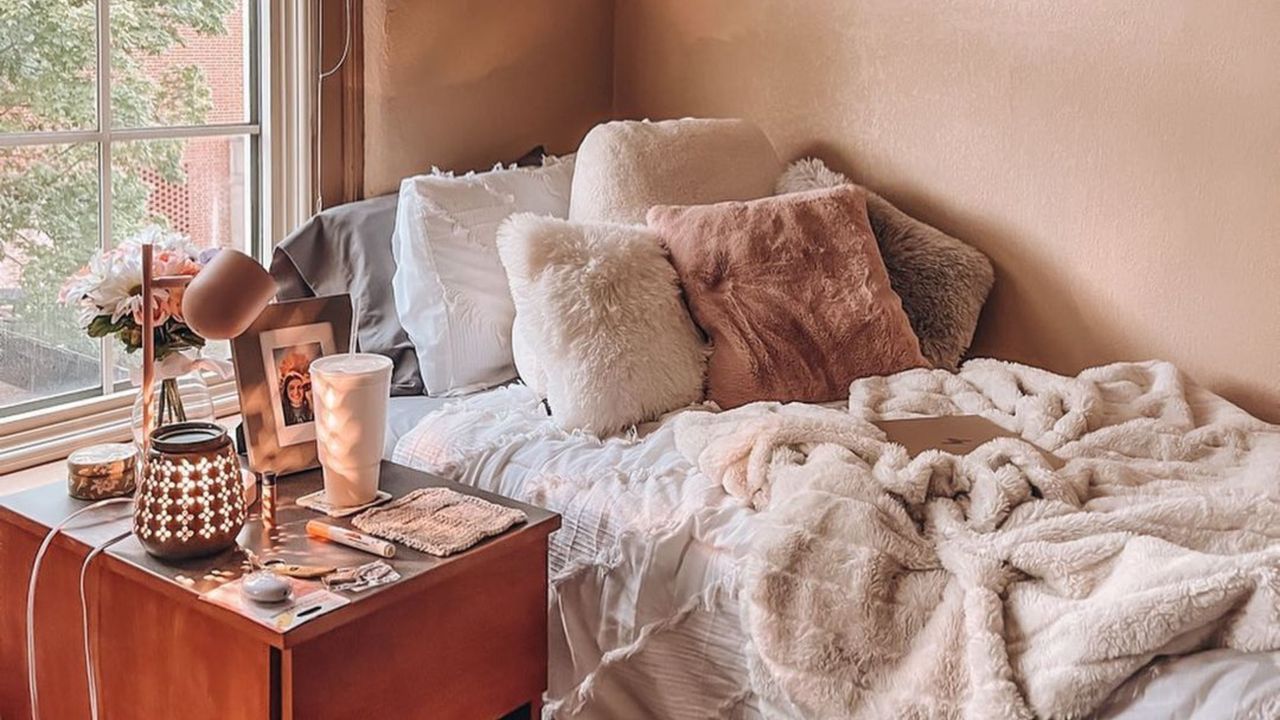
614	343
626	167
451	292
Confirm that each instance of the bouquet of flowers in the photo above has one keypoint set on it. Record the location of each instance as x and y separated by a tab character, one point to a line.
108	292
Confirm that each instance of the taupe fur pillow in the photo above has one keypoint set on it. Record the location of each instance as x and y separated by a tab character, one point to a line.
943	282
792	292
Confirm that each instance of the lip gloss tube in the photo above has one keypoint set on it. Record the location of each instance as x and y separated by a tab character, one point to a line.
351	538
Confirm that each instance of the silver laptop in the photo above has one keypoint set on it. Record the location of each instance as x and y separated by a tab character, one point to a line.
956	434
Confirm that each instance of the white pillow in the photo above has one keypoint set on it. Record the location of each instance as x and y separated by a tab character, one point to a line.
614	342
626	167
450	289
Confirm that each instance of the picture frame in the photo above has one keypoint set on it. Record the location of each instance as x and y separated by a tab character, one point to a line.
272	360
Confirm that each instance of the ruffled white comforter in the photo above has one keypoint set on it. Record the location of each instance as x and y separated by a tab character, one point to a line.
647	570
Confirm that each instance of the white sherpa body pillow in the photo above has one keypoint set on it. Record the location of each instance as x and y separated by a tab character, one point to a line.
450	289
626	167
615	344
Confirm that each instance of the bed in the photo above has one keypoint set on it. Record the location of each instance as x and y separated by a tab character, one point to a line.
644	611
646	605
643	568
403	415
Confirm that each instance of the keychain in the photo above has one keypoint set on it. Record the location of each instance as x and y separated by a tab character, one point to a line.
302	572
352	579
280	567
363	577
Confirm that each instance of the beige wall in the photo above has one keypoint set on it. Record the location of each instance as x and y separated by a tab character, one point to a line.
464	83
1119	161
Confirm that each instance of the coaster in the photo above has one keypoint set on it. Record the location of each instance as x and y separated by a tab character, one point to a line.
315	501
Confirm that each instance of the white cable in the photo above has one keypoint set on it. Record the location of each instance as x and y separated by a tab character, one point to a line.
31	597
84	621
319	116
346	40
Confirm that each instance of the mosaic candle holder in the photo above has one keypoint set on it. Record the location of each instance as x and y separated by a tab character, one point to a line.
190	501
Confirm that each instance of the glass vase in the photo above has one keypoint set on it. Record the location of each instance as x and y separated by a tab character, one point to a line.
181	398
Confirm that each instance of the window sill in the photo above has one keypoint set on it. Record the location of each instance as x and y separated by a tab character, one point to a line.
44	436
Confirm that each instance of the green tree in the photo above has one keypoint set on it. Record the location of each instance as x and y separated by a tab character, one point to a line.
49	193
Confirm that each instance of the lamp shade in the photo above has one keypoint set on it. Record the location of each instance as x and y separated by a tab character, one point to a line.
227	295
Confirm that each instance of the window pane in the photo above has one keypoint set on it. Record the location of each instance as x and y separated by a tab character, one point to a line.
197	187
179	63
48	230
47	65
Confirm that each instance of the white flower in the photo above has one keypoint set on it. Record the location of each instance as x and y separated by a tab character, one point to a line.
86	315
111	284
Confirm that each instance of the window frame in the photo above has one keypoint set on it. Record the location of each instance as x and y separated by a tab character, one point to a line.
279	39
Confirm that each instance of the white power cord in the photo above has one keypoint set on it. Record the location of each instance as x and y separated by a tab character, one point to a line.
346	39
31	605
319	116
84	619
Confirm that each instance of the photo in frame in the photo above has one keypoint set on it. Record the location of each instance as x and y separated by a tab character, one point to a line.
273	378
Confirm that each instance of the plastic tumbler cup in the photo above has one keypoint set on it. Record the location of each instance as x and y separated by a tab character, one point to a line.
351	393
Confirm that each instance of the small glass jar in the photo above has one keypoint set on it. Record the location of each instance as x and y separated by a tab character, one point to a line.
190	501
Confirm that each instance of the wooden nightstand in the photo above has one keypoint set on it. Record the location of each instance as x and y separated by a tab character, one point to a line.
458	637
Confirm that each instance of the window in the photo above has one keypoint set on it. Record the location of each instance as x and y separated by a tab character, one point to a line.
114	115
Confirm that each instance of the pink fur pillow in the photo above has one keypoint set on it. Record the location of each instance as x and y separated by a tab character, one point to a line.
793	293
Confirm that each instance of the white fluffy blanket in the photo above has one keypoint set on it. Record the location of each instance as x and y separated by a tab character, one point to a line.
990	585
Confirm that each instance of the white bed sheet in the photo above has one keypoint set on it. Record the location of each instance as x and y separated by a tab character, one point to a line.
643	610
404	413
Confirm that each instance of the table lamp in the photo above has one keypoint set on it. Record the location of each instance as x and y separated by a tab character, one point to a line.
189	501
220	303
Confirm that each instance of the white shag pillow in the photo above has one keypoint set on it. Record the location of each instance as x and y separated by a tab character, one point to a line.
450	289
615	345
626	167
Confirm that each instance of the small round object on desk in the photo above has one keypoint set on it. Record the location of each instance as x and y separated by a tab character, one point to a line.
102	471
265	586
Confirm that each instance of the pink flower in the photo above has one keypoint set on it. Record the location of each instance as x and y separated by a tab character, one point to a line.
173	304
159	307
110	288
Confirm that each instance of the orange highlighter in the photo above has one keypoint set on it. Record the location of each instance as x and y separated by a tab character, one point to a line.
350	538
